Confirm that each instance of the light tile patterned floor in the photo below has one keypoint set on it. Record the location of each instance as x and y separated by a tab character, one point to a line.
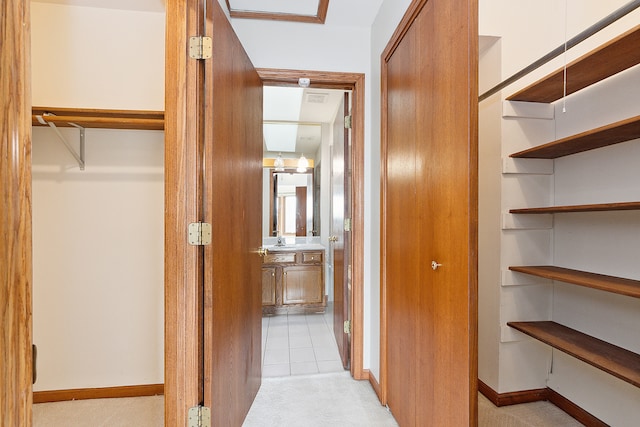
299	344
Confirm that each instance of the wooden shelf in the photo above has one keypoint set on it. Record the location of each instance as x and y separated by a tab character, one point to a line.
611	134
622	206
617	361
95	118
605	61
616	285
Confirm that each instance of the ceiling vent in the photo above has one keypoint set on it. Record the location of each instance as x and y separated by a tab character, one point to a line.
317	98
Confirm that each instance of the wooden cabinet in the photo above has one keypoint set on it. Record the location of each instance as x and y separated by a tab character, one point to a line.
599	64
293	281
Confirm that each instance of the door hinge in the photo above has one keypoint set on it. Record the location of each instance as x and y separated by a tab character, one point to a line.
347	122
347	326
347	224
199	234
199	416
200	47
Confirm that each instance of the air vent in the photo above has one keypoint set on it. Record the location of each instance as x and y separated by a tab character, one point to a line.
317	98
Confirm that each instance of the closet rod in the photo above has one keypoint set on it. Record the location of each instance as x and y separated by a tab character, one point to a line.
604	22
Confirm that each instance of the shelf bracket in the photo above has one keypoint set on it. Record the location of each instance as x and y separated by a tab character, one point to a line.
78	156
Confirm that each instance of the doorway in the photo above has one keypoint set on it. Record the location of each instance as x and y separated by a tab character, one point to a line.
355	84
305	176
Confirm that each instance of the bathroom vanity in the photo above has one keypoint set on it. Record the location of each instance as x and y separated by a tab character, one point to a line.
293	280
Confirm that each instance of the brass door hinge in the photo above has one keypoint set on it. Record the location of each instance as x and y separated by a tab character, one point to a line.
199	234
199	416
200	47
347	326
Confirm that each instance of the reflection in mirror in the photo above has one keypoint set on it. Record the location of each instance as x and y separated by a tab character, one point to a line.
291	204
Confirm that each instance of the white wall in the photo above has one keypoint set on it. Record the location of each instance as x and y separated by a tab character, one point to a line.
98	234
386	22
601	242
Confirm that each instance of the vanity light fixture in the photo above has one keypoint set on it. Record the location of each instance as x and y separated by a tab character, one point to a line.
278	163
303	164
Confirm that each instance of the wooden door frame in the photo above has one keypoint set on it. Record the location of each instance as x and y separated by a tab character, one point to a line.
183	276
15	216
355	83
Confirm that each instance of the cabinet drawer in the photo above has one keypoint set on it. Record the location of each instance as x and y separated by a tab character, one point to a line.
312	257
278	257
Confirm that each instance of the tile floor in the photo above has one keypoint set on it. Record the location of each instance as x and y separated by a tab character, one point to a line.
299	344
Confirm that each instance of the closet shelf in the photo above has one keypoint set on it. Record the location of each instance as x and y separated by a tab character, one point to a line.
616	285
617	361
603	62
95	118
614	133
599	207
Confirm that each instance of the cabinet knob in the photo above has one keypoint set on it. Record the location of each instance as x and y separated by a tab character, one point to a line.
435	265
333	238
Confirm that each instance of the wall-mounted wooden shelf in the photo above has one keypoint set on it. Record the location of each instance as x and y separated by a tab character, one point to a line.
605	61
95	118
599	207
615	133
617	361
616	285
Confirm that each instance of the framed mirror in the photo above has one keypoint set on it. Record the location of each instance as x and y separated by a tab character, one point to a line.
291	204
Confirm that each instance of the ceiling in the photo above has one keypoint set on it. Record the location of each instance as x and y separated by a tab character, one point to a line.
293	118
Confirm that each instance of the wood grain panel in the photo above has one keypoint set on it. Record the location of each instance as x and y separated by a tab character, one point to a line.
183	265
15	214
429	213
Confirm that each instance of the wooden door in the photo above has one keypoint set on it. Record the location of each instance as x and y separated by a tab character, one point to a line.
341	238
301	211
232	163
15	215
429	215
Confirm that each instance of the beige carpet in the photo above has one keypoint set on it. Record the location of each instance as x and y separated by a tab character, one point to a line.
304	401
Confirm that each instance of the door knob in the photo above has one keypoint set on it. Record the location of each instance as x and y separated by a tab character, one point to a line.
435	265
333	238
262	251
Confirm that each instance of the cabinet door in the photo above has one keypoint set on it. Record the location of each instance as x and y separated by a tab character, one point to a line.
268	286
302	284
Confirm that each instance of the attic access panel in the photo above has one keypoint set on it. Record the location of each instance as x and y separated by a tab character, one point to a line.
313	11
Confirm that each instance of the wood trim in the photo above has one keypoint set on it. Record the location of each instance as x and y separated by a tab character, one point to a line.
98	393
540	394
15	215
574	410
375	385
318	18
183	272
512	398
354	82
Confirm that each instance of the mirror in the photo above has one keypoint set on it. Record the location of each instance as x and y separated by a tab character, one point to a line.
291	204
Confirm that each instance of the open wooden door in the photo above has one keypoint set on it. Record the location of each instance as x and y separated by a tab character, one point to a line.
213	174
232	164
341	236
429	215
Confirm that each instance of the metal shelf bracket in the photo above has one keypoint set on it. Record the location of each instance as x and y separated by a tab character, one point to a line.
79	157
